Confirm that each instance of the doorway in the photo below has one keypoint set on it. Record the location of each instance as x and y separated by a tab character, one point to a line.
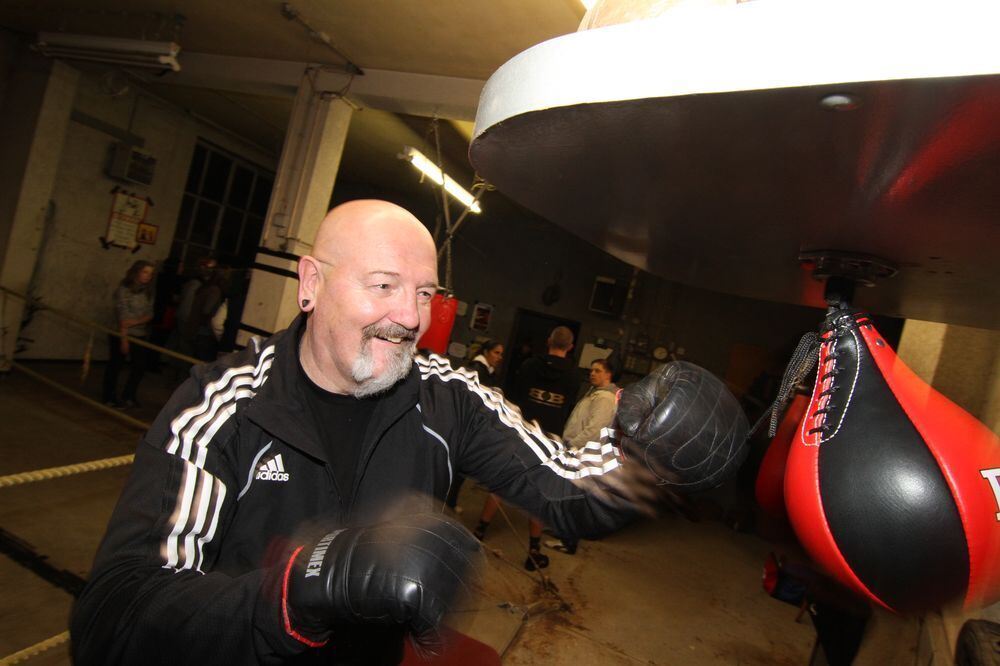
529	336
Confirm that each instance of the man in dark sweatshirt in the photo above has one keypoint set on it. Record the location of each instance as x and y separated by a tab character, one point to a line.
546	386
545	389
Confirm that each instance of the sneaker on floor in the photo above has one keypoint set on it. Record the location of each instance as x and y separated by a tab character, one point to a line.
561	546
536	561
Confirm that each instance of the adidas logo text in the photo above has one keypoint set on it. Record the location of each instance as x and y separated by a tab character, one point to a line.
272	470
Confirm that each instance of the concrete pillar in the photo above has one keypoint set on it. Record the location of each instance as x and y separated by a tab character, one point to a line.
38	100
307	170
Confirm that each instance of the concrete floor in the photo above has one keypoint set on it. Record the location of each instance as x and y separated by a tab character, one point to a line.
668	591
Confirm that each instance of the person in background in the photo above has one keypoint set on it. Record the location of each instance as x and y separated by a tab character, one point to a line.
545	389
133	303
485	364
207	300
594	412
164	310
186	328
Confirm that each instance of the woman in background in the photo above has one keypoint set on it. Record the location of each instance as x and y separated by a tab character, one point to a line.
133	302
485	364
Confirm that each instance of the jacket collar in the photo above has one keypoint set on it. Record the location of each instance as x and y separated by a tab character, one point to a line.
482	360
594	390
280	407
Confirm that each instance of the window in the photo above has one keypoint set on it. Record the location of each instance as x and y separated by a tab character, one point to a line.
222	212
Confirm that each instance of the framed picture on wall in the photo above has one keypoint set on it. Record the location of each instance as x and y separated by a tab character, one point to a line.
146	233
128	211
482	313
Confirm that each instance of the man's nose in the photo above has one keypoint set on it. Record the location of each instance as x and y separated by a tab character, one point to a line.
407	311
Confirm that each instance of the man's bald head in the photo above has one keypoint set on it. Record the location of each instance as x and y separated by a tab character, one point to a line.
367	287
352	225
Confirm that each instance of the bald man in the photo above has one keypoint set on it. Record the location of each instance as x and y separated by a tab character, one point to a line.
258	525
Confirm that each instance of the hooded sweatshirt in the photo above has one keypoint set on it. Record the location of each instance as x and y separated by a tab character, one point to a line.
546	389
595	411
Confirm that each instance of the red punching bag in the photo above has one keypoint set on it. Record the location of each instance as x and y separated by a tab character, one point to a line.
769	488
890	486
442	320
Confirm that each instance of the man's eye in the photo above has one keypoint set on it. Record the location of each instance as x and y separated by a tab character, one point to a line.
425	296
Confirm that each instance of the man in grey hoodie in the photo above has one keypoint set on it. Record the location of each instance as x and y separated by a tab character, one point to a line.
595	410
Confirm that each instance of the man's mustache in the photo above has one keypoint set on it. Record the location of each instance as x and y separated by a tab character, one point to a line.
389	331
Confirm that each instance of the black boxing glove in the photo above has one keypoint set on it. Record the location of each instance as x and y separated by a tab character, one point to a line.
685	426
402	572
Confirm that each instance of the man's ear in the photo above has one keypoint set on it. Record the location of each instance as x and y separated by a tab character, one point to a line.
310	279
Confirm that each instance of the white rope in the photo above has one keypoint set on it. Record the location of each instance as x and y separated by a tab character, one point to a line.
142	425
65	470
93	326
29	652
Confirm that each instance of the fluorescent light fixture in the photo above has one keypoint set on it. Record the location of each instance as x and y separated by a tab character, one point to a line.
435	173
113	50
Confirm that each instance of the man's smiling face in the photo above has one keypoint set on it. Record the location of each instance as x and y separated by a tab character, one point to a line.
372	301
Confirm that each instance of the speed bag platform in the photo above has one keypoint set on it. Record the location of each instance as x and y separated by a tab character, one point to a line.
890	486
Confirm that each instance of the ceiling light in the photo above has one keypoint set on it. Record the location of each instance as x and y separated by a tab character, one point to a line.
113	50
587	4
840	102
435	173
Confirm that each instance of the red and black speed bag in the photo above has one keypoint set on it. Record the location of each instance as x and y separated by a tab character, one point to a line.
890	486
769	488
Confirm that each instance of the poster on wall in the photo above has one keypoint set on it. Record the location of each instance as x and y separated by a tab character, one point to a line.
146	233
127	222
481	315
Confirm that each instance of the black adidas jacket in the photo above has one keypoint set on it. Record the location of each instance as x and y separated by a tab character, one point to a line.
231	474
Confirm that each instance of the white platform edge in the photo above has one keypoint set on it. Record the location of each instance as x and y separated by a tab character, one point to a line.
755	45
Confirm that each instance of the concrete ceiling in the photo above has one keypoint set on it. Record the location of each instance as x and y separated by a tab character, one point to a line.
461	38
241	60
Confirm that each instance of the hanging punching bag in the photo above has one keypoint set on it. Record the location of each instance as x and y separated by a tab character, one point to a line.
891	487
442	320
769	488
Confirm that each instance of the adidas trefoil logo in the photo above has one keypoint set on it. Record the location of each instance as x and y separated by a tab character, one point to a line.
272	470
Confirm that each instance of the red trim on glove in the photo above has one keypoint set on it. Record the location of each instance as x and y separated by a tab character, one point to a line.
284	605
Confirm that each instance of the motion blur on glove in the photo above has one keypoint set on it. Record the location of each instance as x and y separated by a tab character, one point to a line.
684	425
404	572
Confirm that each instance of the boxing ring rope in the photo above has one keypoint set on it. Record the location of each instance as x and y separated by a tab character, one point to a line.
110	411
28	652
65	470
38	306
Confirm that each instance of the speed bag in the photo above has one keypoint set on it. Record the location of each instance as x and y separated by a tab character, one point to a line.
890	486
442	320
769	488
